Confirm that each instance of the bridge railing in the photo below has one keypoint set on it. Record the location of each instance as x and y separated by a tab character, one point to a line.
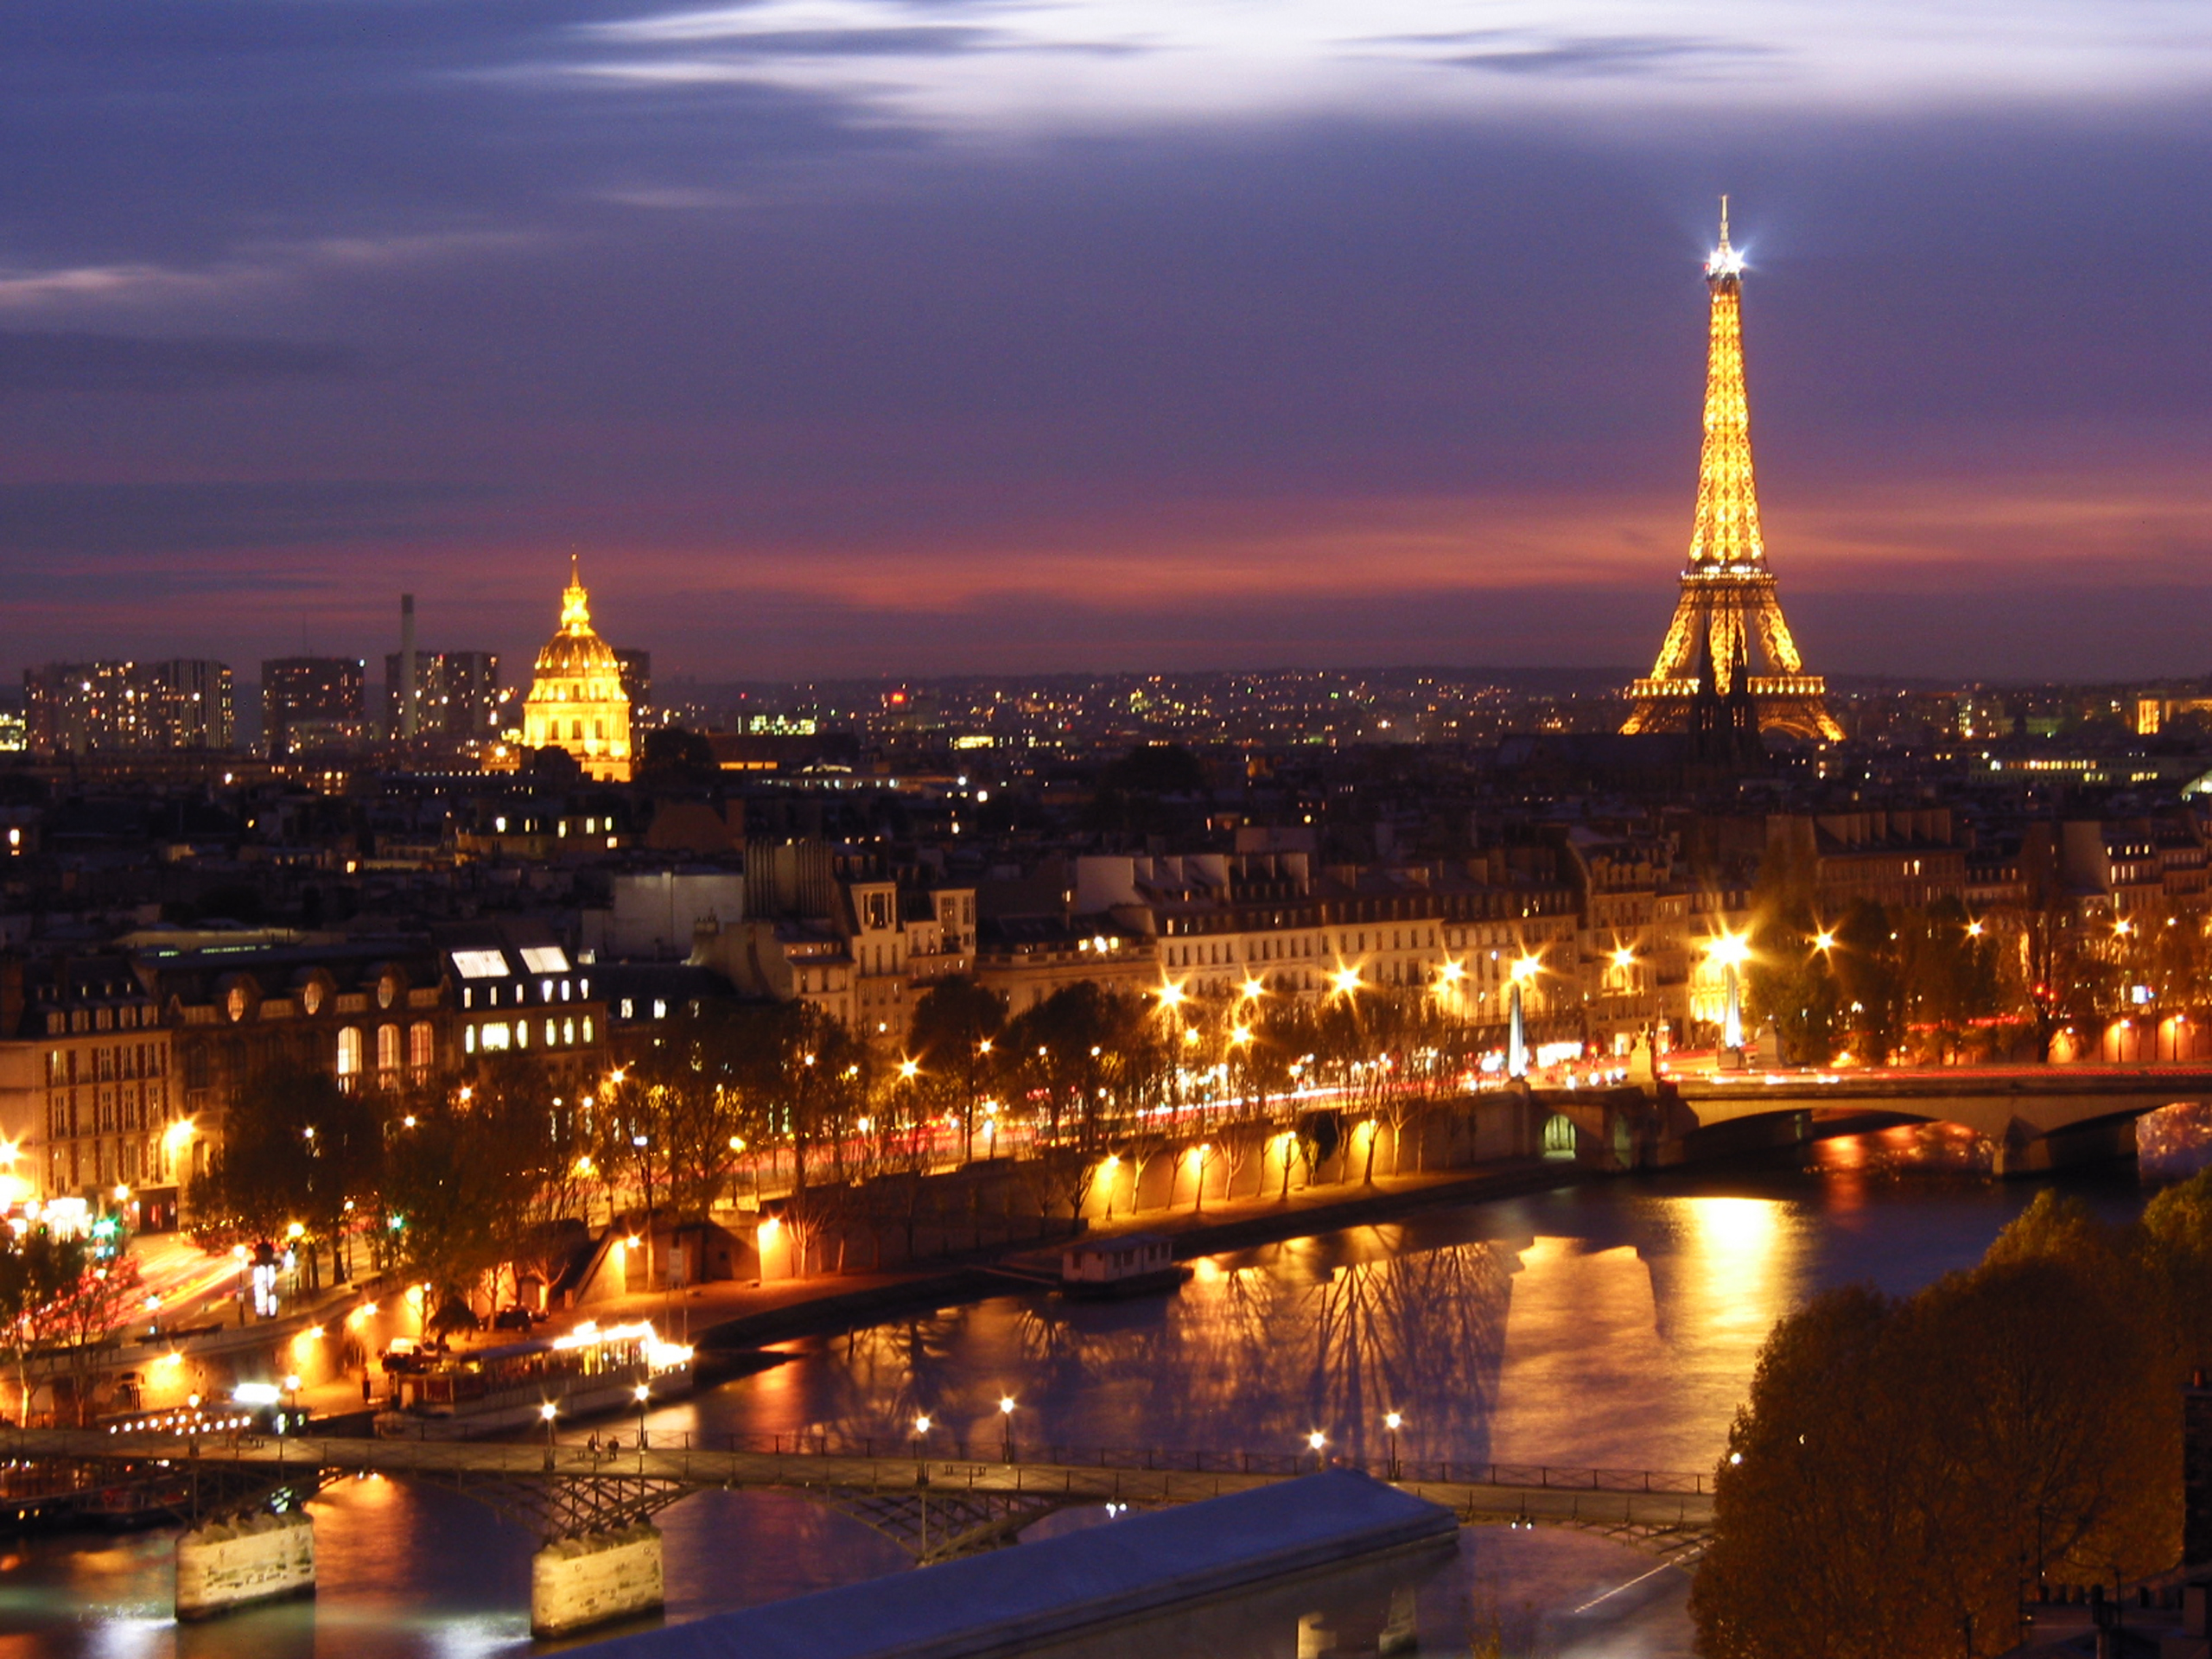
937	1448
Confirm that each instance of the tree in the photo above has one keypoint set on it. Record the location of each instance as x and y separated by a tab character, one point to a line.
1868	984
1903	1469
297	1150
676	759
36	1271
955	1033
1788	979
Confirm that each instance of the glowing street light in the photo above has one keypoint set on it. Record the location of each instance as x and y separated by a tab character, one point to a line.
1391	1420
1824	940
1526	968
1314	1443
1345	979
1973	930
1623	956
1453	972
1006	1425
1252	989
908	1070
643	1394
1171	995
549	1411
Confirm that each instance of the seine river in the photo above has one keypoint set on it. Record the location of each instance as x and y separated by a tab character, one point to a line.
1613	1325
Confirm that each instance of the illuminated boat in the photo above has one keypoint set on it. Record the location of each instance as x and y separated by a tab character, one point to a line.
1134	1264
589	1372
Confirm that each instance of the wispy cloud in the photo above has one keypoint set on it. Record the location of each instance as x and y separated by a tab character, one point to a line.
979	63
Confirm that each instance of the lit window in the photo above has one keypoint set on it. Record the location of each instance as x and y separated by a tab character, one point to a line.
349	1052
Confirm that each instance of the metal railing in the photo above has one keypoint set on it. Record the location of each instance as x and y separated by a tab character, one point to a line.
935	1448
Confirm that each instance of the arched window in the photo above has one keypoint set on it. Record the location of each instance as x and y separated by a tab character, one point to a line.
349	1052
422	1046
387	1048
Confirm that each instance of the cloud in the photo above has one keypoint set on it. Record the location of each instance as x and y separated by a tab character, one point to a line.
123	520
97	363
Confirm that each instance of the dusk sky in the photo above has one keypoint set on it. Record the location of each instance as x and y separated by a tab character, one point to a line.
850	337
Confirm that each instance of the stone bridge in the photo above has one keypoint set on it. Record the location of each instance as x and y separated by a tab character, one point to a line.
2035	1117
247	1538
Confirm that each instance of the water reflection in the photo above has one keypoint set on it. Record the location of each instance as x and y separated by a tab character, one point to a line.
1613	1325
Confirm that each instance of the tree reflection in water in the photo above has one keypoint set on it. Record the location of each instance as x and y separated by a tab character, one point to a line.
1251	1355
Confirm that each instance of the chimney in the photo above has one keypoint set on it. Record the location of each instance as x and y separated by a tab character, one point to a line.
409	702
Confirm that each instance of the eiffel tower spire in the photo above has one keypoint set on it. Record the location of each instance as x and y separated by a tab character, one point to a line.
1728	605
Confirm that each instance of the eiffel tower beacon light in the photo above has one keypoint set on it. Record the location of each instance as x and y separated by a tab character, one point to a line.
1728	614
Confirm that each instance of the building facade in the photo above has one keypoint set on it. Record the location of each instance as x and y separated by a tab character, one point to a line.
127	708
576	703
311	702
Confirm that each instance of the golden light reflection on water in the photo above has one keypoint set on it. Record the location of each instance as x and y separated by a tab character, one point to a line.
1636	1356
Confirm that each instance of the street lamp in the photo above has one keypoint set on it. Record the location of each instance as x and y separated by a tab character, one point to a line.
1006	1423
1391	1421
1346	980
549	1411
643	1394
921	1428
1315	1442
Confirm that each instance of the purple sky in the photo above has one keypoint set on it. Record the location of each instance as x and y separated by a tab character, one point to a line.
851	336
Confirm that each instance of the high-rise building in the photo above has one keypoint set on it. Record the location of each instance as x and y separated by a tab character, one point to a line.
457	694
311	702
121	707
576	702
637	683
1729	615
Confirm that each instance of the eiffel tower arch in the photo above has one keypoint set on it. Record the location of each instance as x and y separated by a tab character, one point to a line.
1729	615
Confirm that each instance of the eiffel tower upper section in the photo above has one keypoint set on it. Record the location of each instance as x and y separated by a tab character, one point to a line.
1728	595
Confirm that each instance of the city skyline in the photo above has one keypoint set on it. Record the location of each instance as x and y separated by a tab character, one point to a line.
836	356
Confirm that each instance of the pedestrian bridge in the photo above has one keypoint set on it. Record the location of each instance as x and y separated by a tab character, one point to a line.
937	1502
2036	1116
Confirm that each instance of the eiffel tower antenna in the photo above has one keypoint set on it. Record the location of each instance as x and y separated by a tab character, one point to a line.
1728	595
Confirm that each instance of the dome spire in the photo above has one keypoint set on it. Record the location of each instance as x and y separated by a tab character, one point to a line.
576	603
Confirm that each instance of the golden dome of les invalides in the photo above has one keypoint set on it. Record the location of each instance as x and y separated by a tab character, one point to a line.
576	702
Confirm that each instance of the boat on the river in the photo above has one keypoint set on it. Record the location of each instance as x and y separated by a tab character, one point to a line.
1133	1264
587	1373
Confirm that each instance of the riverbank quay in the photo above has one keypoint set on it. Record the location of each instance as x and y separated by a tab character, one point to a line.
731	1323
1342	1552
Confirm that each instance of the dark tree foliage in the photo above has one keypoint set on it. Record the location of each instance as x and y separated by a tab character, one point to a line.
296	1149
675	758
1905	1471
954	1035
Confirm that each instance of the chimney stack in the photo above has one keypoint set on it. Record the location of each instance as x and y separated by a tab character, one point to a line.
409	702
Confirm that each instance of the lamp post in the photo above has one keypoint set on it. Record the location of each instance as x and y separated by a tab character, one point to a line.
643	1394
921	1428
549	1411
1006	1425
1391	1421
1315	1442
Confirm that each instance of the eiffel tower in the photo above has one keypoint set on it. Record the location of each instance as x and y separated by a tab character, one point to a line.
1728	615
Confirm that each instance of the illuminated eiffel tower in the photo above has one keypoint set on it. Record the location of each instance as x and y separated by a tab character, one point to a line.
1728	615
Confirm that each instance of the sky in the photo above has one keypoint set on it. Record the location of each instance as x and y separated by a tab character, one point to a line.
902	337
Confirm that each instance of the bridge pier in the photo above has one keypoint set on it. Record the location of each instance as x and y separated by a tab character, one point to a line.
2097	1142
594	1578
242	1562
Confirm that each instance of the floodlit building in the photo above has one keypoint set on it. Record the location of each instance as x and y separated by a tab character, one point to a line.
576	702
